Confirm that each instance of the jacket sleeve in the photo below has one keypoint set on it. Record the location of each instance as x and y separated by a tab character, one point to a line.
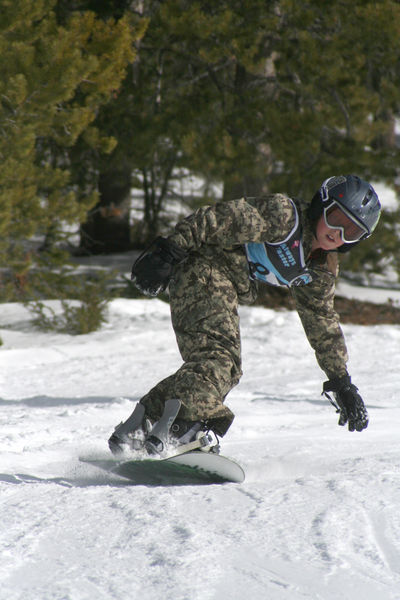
315	306
226	224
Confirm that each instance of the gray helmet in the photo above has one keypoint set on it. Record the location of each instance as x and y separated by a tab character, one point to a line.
357	197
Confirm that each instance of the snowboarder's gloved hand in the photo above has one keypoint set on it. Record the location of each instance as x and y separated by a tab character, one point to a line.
152	270
350	405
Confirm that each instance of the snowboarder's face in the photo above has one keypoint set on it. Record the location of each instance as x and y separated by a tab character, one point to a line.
326	237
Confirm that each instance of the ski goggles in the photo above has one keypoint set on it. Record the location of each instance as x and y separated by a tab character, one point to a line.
337	217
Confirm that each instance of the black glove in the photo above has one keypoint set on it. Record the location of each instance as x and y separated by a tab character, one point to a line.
350	405
152	270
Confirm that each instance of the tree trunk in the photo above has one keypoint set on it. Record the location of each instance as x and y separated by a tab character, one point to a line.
247	186
107	227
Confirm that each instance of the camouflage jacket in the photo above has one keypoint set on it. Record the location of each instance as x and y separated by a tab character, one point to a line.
219	233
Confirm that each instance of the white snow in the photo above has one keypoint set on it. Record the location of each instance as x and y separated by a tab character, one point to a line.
367	294
317	517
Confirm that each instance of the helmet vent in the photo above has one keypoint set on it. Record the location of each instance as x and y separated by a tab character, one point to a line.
334	181
367	197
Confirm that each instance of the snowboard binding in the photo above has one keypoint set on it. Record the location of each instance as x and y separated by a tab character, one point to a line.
170	435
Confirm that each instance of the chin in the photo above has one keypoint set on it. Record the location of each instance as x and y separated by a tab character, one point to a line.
328	245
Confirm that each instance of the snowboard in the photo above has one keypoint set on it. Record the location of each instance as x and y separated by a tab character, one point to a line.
191	468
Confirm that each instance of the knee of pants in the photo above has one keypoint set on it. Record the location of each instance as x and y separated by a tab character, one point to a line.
223	370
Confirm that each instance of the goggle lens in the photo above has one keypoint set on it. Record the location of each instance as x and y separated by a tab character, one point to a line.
337	218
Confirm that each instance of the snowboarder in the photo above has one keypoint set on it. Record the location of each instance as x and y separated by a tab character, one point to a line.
213	261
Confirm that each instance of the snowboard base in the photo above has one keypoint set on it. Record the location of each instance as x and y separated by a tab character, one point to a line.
193	468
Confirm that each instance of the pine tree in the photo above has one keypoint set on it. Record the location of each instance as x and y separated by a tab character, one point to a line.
182	106
263	96
338	75
337	81
53	79
279	92
279	96
106	174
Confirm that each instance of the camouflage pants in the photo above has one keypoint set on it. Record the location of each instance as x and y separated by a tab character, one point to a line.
205	319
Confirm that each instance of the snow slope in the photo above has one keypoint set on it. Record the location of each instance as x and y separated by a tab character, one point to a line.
317	517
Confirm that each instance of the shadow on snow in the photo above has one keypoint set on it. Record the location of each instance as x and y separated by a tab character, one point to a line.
48	401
